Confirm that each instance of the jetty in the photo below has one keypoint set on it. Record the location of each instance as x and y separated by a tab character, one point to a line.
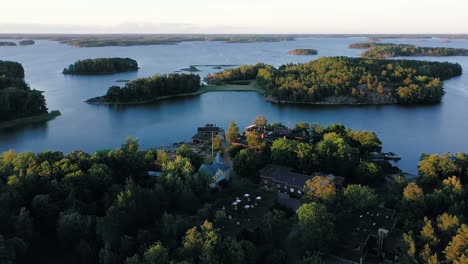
385	156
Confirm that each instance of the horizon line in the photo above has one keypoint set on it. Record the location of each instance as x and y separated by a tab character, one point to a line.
188	33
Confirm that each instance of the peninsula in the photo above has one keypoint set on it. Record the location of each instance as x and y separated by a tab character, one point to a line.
303	52
343	80
150	89
20	104
328	80
388	50
101	66
161	87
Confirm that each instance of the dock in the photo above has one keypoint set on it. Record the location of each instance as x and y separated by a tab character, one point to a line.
385	156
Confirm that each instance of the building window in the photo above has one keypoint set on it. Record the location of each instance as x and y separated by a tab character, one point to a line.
299	191
285	187
265	181
277	185
291	190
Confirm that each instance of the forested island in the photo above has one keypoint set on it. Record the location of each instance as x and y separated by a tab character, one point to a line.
105	207
303	52
145	90
26	42
191	68
104	40
102	66
8	43
18	102
136	40
387	50
343	80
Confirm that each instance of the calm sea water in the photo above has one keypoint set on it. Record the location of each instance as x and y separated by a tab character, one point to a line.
408	130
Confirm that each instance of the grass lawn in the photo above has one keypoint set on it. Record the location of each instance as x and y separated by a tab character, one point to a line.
243	86
250	87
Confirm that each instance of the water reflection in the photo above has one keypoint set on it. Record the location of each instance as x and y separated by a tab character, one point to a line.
408	130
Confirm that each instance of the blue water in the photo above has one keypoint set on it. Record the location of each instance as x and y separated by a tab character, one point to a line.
408	130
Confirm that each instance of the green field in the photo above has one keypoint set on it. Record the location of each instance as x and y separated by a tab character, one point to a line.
250	87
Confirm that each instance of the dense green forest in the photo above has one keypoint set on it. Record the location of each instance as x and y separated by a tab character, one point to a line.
333	149
303	52
104	208
362	80
432	211
144	89
243	72
387	50
102	66
17	100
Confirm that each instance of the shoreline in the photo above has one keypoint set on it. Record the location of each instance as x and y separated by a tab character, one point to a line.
98	74
100	100
275	101
30	120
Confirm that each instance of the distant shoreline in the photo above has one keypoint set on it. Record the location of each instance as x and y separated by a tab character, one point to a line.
125	40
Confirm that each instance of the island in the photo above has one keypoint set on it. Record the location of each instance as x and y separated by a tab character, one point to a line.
26	42
7	43
19	103
101	66
303	52
387	50
344	80
191	68
135	39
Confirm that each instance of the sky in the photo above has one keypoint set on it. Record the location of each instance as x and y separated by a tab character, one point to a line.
235	16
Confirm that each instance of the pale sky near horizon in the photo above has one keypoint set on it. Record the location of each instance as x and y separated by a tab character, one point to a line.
238	16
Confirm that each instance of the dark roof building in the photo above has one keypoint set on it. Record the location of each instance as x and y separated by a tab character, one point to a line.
285	180
205	134
282	131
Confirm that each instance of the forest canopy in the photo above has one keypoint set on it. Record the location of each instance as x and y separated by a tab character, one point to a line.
105	208
102	66
353	80
17	99
150	88
387	50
